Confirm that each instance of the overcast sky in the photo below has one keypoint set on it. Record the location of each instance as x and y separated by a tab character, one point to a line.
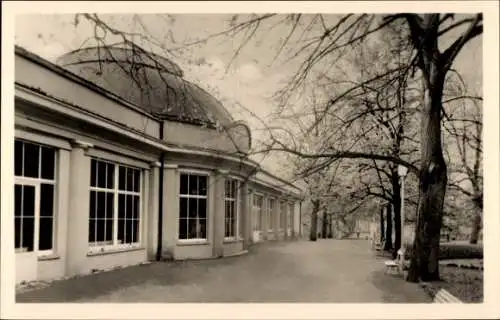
251	80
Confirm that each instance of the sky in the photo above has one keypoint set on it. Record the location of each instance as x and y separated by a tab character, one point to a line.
250	80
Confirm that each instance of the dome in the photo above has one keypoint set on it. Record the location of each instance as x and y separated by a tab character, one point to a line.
151	82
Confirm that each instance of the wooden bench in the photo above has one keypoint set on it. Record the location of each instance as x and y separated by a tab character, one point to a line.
396	264
443	296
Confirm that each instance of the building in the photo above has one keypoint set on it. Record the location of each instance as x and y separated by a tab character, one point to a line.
109	174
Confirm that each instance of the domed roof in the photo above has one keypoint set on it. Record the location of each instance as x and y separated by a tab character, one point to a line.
147	80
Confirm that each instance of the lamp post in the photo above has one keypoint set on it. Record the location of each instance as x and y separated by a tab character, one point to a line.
402	171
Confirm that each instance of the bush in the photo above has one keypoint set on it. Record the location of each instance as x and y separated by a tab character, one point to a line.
449	251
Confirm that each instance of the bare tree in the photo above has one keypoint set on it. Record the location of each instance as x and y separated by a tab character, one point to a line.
324	41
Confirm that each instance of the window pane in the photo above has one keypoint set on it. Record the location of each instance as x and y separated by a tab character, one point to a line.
18	158
110	182
137	180
28	227
192	232
28	201
121	206
193	208
46	200
234	188
202	208
101	204
203	228
193	184
93	203
183	208
100	230
136	209
121	230
136	231
128	231
109	205
121	178
93	171
18	190
202	181
92	234
130	179
130	206
46	235
17	232
183	228
109	230
101	174
227	188
184	184
48	163
227	232
31	160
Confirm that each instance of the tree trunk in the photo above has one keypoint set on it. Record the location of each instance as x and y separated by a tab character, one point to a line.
324	225
388	229
476	228
382	225
313	235
433	176
330	227
396	196
477	224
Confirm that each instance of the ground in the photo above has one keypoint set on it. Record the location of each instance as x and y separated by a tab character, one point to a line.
296	271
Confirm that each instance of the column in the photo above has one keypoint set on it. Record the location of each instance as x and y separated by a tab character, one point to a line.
292	221
170	211
78	208
246	214
219	212
152	212
264	227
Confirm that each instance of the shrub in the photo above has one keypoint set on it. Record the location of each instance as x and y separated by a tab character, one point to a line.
449	251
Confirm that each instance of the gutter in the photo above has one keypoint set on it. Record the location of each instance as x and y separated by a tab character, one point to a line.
160	199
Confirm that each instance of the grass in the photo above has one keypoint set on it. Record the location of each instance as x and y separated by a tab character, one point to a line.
465	284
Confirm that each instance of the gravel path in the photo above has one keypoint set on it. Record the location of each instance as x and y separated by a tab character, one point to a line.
299	271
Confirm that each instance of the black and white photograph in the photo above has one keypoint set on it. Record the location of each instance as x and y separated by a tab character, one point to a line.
273	153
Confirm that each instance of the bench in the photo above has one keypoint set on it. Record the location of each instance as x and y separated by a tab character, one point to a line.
443	296
396	264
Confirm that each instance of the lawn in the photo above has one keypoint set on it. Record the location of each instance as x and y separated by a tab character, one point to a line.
465	284
461	273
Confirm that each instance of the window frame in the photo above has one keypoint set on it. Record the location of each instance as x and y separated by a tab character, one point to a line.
37	182
259	210
270	214
194	172
115	245
236	204
291	214
282	215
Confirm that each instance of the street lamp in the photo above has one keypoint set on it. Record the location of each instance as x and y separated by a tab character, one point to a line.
402	171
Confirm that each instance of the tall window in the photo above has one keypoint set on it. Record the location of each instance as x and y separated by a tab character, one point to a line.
193	206
270	214
282	215
257	209
34	193
290	215
231	208
115	198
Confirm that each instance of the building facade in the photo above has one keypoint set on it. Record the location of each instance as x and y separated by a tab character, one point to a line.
104	180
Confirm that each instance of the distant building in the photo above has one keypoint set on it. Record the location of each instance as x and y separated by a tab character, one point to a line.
113	170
